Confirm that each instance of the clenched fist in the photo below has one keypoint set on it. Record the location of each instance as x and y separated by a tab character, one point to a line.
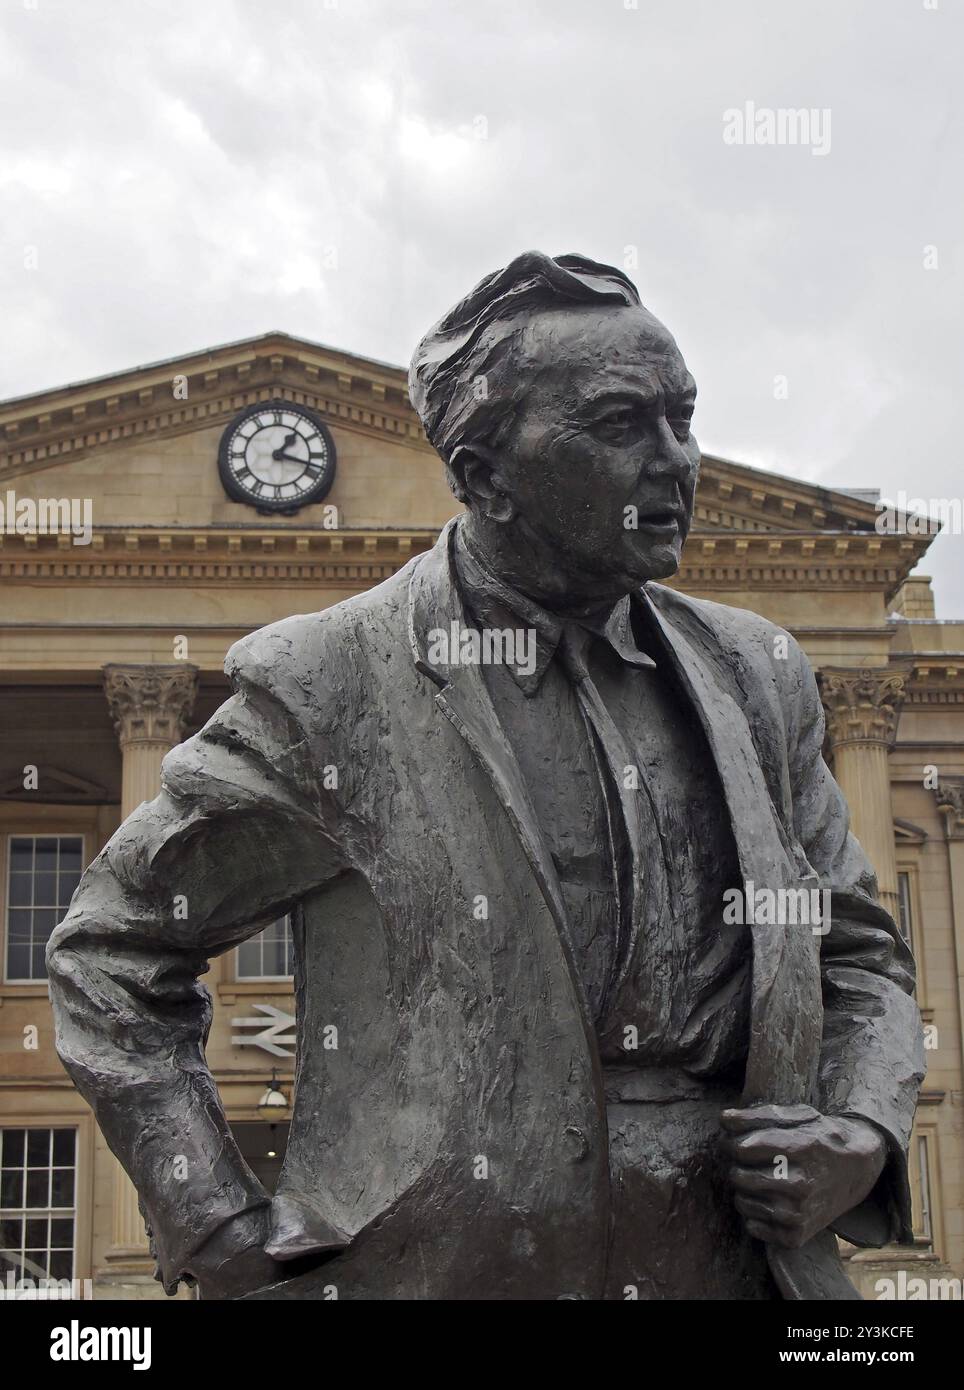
795	1171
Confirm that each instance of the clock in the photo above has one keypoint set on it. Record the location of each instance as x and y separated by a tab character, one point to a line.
277	457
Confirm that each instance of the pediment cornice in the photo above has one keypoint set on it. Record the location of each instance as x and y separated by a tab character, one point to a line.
712	561
734	496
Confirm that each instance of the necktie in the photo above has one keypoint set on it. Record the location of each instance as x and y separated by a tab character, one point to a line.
634	829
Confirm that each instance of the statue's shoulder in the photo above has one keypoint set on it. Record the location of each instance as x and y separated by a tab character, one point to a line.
749	646
308	645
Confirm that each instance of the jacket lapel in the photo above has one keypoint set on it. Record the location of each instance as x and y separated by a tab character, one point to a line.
786	1009
434	604
786	1012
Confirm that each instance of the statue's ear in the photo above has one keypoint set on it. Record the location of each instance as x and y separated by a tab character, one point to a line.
477	472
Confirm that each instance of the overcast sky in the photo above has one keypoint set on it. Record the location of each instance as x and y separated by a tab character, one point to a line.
190	172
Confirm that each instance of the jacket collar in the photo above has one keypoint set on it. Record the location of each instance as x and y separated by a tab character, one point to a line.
496	604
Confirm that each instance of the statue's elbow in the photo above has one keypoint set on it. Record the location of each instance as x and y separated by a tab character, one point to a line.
56	950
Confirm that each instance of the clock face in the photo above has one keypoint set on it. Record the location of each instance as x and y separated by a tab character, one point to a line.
276	457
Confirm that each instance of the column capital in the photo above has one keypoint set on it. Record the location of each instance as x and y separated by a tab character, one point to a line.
150	704
863	703
949	796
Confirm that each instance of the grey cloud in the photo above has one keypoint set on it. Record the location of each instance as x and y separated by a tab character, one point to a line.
181	168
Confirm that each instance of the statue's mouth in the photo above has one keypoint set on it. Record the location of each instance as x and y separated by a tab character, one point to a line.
663	521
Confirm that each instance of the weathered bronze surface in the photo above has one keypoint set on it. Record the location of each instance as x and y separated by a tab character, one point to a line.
566	1069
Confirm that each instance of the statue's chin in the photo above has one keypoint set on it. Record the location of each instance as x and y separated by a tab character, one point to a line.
656	562
664	568
660	562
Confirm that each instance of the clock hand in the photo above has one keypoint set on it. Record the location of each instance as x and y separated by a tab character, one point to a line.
280	453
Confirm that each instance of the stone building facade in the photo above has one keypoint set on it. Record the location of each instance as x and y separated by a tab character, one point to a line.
111	652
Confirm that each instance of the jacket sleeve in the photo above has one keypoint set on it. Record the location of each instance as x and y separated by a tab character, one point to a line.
239	832
872	1054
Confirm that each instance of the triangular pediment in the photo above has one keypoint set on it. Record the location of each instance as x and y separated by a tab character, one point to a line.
143	445
199	390
53	785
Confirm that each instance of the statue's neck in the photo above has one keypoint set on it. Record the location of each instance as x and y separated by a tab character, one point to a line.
531	570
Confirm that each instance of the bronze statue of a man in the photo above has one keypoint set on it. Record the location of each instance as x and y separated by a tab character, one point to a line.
564	1069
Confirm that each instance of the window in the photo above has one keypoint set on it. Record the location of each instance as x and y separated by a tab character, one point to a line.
904	914
37	1173
42	873
922	1195
269	955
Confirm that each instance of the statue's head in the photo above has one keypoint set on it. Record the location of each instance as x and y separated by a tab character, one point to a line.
561	408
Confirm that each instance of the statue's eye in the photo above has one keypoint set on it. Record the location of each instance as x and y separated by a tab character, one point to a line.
617	424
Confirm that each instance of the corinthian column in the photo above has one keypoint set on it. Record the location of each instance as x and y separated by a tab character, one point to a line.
863	707
149	706
950	803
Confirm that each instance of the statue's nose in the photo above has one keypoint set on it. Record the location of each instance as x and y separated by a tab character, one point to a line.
670	458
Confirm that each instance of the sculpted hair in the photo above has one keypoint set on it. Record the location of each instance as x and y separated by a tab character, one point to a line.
459	379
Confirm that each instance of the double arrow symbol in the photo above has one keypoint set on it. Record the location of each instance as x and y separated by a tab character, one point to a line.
278	1037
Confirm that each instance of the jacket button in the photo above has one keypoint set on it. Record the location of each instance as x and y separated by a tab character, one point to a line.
575	1143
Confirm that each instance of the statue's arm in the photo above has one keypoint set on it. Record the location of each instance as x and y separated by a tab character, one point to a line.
872	1059
235	838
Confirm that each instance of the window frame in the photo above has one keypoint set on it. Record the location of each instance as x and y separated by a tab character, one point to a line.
917	944
96	823
264	979
905	907
83	1125
923	1189
24	1213
45	833
926	1137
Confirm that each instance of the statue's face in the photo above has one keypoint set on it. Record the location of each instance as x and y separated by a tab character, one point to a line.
601	462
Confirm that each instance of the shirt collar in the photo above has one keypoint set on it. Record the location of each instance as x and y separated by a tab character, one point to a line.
496	604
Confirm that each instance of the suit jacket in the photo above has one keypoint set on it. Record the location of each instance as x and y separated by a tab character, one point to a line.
454	1143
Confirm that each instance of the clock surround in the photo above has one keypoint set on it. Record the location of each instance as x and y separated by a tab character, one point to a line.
277	457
